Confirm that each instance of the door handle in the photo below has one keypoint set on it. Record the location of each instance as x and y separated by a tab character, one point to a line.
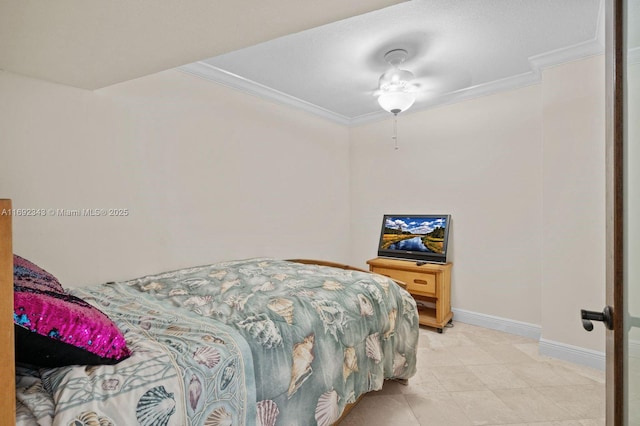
606	316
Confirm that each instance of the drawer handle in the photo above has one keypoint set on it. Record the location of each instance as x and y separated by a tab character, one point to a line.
419	281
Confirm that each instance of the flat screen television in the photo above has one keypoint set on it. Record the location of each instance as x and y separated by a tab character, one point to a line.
423	238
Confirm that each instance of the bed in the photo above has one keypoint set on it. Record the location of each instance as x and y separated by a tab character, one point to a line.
253	341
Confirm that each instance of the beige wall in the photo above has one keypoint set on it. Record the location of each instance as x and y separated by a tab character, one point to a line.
480	161
207	174
522	173
573	248
210	174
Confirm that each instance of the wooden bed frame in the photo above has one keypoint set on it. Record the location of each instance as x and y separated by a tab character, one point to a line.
7	358
341	266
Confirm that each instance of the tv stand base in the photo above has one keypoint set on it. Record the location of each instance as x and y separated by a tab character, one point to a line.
428	283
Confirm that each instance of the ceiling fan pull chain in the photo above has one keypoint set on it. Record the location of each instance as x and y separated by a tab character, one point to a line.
395	131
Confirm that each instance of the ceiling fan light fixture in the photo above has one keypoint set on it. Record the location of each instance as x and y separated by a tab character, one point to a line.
395	79
395	93
396	101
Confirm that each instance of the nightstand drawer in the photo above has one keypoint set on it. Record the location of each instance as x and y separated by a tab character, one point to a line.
417	283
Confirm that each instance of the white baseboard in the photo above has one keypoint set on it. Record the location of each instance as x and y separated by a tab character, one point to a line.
574	354
634	349
519	328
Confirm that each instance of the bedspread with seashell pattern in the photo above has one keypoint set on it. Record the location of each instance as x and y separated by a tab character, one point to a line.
184	370
319	337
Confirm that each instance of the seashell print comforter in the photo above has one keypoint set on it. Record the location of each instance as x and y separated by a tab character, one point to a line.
251	342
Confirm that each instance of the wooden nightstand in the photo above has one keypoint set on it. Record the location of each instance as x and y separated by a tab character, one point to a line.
429	282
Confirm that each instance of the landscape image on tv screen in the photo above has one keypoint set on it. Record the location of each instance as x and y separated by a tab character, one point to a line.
425	234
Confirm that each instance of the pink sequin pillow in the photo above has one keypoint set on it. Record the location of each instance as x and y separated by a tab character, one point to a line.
53	328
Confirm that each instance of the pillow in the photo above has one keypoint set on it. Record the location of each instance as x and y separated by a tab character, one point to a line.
28	274
54	328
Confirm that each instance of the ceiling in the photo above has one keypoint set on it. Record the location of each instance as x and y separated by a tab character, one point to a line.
457	49
91	44
322	57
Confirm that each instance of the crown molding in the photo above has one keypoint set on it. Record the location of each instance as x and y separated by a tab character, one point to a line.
479	90
537	64
234	81
567	54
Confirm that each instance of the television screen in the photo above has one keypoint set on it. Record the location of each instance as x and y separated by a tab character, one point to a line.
415	237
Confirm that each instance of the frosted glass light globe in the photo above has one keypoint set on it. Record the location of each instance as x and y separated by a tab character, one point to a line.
395	102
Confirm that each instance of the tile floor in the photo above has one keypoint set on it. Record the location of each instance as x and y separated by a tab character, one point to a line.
475	376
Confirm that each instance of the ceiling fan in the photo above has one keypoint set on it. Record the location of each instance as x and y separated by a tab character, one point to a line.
397	88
